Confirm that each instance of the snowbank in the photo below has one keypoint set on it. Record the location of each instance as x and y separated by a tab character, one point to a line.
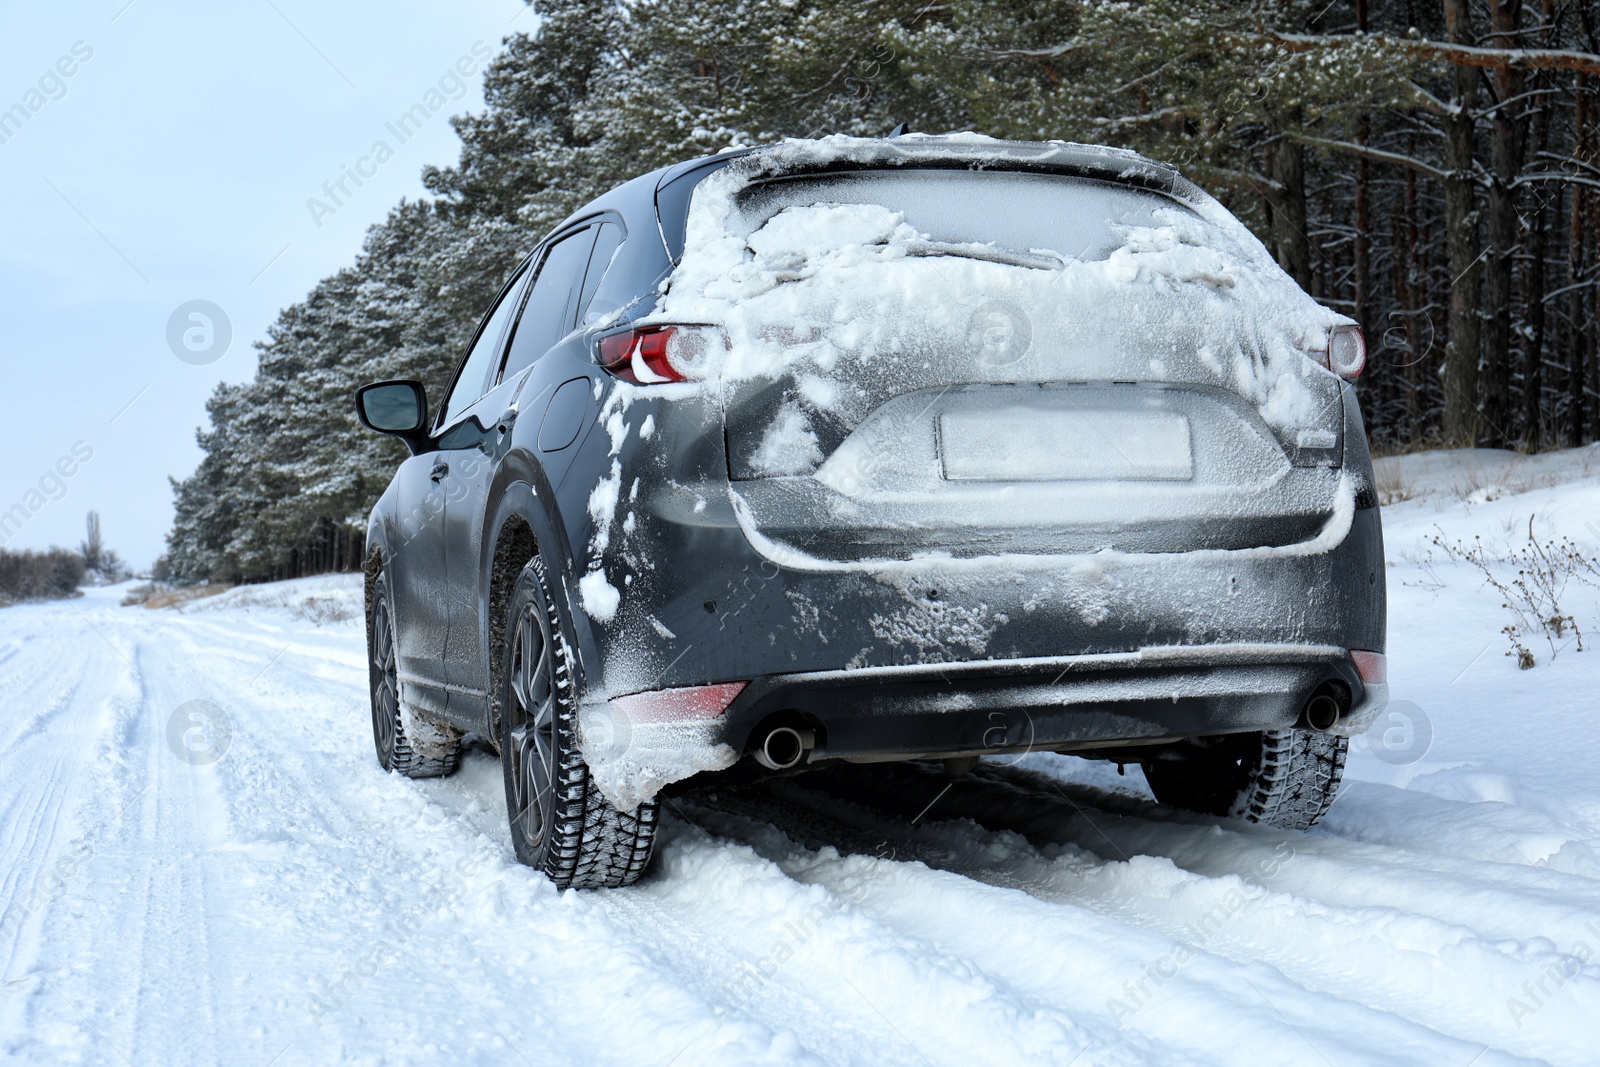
333	600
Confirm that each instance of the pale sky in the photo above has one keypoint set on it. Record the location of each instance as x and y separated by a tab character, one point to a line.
174	163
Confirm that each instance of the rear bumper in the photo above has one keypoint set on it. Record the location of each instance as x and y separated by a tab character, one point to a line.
930	710
708	596
1050	704
723	612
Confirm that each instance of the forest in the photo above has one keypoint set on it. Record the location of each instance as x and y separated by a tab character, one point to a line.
1430	168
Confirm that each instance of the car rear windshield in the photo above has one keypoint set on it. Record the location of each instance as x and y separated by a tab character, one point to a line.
1074	218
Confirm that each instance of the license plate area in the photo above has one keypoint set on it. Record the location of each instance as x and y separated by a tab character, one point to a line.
1024	443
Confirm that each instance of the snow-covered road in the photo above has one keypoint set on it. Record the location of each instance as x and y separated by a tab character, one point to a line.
236	881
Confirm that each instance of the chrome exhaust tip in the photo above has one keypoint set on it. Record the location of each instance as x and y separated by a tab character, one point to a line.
784	747
1323	712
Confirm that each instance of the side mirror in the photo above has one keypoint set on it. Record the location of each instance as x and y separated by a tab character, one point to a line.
399	409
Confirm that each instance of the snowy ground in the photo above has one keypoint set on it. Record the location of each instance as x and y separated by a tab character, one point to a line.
235	881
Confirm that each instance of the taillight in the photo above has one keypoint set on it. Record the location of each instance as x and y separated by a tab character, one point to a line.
695	703
1347	352
1373	667
650	355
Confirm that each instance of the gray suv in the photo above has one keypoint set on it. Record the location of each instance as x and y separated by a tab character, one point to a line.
913	448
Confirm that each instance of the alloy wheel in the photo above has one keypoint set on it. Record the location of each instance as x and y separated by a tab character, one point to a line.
385	693
531	725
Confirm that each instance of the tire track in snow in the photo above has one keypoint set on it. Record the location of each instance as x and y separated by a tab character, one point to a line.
42	843
1501	901
1246	910
1137	980
30	815
713	912
138	976
181	816
872	984
376	925
312	873
705	960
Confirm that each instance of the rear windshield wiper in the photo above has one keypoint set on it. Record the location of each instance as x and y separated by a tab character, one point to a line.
987	253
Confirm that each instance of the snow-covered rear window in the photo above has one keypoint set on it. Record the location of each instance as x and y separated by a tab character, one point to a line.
841	282
1067	217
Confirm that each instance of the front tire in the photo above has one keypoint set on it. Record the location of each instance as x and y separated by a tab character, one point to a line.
395	740
1283	778
561	824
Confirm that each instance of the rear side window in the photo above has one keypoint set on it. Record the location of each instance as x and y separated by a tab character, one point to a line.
672	203
547	315
592	306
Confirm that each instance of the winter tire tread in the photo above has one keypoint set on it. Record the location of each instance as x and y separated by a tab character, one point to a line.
1282	778
591	845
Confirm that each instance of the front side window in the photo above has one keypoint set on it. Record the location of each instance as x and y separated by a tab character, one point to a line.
472	381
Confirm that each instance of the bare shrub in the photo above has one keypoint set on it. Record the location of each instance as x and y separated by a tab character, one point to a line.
50	575
1543	572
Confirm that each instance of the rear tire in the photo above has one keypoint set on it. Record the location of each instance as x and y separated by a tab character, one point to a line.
1283	778
561	824
397	747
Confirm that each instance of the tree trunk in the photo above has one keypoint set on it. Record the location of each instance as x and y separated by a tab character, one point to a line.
1533	290
1461	422
1363	216
1577	376
1406	328
1505	160
1591	327
1416	305
1535	278
1360	266
1287	170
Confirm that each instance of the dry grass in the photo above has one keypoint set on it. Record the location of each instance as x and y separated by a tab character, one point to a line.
316	607
151	597
1481	486
1393	486
1384	447
318	610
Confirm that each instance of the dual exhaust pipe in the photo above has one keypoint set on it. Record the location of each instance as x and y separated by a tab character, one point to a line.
784	747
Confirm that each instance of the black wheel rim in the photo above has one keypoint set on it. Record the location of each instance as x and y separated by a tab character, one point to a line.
385	692
530	726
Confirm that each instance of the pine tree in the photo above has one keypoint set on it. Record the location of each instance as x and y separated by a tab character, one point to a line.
1392	153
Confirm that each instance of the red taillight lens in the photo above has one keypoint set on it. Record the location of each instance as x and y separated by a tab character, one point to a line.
1347	352
1372	666
642	356
695	703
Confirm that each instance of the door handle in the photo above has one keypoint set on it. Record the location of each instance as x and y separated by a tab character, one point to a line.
440	470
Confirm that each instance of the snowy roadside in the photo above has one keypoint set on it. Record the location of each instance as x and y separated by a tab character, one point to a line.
247	887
